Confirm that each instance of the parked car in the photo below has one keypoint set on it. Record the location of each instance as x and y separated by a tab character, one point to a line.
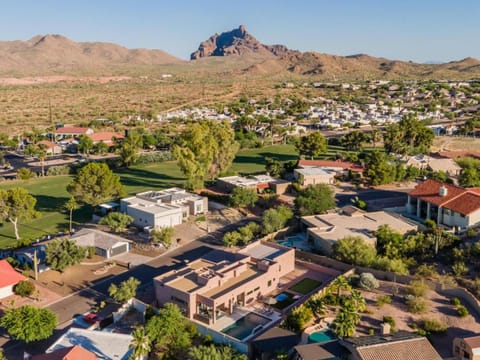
91	318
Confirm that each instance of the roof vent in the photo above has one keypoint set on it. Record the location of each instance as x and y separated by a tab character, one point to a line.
442	191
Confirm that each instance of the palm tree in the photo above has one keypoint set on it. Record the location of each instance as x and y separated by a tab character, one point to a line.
316	305
140	344
341	283
70	206
344	325
357	300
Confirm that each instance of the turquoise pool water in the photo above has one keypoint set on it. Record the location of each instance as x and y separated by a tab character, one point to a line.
245	326
321	336
292	240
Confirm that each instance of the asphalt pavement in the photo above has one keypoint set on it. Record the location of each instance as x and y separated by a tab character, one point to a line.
83	300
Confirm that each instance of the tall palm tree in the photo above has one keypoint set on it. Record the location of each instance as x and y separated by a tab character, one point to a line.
70	206
316	305
341	283
140	344
357	300
344	325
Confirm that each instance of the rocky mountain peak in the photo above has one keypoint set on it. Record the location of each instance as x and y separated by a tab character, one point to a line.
236	42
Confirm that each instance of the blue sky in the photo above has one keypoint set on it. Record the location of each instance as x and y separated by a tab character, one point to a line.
417	30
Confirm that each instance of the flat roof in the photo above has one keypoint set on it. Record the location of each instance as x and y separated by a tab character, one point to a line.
260	251
333	227
104	344
315	171
249	274
152	207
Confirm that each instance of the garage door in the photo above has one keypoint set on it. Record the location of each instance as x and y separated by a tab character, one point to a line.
119	250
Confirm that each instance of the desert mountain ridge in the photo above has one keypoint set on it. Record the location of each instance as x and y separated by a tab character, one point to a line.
53	53
231	54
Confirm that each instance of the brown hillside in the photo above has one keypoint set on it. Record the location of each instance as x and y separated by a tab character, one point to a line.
54	54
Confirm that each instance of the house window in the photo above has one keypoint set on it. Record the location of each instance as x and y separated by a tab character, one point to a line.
462	215
199	208
257	288
269	283
447	212
251	291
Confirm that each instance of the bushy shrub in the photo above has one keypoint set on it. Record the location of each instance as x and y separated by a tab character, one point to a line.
471	233
25	174
417	305
154	157
425	270
391	321
455	301
24	288
383	299
417	288
434	326
58	170
368	281
90	252
13	262
462	311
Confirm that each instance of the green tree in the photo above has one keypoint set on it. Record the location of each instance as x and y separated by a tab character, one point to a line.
61	254
141	344
125	291
315	199
128	148
408	136
311	145
24	288
170	331
204	150
298	318
243	197
85	144
116	221
71	205
273	166
353	140
95	184
275	219
28	323
354	250
232	238
17	204
25	173
380	169
163	236
346	321
215	352
341	283
101	148
317	305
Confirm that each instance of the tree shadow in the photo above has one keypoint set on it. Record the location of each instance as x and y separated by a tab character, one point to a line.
47	203
145	178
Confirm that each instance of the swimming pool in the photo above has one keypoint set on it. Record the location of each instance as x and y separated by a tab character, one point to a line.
245	326
295	241
321	336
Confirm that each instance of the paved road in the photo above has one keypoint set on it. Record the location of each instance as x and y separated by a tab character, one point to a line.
82	301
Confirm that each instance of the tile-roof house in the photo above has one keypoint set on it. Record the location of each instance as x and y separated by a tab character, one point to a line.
8	279
446	204
401	345
107	137
50	147
467	348
69	353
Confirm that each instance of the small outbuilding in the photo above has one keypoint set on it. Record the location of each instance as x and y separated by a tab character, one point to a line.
106	245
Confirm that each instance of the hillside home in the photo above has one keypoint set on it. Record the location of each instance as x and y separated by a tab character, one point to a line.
326	229
50	148
105	244
71	131
213	285
257	182
445	204
169	207
341	168
106	137
314	176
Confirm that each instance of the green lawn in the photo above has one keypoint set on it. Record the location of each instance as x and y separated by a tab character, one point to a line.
306	285
51	192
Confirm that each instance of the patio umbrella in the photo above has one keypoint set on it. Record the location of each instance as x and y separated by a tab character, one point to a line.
271	301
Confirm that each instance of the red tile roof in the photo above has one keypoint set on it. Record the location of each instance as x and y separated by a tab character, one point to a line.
8	275
69	353
105	136
71	130
49	144
458	199
331	163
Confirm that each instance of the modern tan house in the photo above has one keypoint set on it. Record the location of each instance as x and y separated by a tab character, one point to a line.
467	348
445	204
256	182
326	229
314	176
212	286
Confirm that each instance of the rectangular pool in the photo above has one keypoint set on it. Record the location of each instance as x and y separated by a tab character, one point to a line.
245	326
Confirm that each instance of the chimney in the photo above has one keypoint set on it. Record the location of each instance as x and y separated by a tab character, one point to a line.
442	191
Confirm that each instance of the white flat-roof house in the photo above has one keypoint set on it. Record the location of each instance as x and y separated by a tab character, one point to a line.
156	209
314	176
